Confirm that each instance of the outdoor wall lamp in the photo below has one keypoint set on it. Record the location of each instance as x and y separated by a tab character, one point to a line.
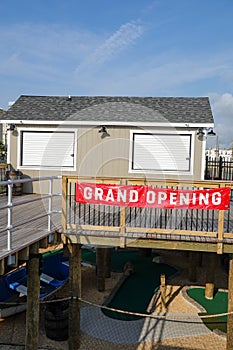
211	132
104	132
200	132
11	127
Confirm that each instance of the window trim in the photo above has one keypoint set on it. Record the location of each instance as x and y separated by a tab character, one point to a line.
21	130
156	171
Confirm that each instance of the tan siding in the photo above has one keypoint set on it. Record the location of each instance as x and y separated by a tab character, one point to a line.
104	157
197	168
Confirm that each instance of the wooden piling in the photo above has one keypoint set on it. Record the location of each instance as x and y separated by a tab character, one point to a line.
33	294
75	293
44	243
163	291
2	267
100	265
210	275
200	259
230	307
23	254
108	258
192	266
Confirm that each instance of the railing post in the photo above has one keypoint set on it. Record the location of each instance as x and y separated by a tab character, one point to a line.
220	168
122	223
207	175
50	204
9	215
64	198
220	233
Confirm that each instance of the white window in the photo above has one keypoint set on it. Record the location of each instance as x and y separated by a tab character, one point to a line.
161	152
47	149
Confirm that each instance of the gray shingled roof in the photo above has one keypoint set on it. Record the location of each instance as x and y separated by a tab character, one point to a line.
111	109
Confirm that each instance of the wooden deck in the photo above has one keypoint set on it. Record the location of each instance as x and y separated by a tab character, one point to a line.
200	230
30	221
181	229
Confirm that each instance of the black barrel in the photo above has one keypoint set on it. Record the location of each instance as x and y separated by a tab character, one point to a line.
57	320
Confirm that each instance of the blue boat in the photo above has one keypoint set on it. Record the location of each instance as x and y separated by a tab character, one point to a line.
13	286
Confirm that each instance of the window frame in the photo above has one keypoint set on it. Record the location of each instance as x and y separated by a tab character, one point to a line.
181	133
21	130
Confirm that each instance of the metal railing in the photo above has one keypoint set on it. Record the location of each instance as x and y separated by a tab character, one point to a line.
11	205
218	169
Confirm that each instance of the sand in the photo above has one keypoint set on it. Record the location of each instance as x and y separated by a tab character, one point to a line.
12	330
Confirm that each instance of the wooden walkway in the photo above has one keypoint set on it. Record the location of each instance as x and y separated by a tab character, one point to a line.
158	228
112	226
29	219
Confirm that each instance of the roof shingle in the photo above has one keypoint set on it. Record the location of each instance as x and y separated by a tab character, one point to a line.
111	109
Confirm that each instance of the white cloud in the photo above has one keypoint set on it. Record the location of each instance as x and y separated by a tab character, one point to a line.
222	107
41	59
124	37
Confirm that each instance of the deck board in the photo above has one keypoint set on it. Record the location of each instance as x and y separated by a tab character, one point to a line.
33	231
103	216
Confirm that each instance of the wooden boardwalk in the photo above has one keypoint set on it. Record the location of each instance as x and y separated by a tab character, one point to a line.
158	228
108	225
29	219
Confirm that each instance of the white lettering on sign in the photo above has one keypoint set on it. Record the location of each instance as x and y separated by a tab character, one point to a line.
216	198
148	196
162	196
99	194
121	196
133	196
87	193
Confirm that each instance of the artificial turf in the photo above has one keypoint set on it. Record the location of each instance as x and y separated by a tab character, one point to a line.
136	292
217	305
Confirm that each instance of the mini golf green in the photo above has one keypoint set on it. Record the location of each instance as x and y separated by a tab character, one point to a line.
217	305
136	292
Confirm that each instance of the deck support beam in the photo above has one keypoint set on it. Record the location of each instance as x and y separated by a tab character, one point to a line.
75	294
210	276
33	299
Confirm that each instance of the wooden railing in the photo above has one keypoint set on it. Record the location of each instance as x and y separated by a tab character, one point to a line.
210	230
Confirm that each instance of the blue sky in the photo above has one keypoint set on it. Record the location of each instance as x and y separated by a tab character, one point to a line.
124	47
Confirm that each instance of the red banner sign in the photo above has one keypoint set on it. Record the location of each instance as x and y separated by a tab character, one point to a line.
152	197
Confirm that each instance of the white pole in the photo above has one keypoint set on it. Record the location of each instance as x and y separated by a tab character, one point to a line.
50	204
9	216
